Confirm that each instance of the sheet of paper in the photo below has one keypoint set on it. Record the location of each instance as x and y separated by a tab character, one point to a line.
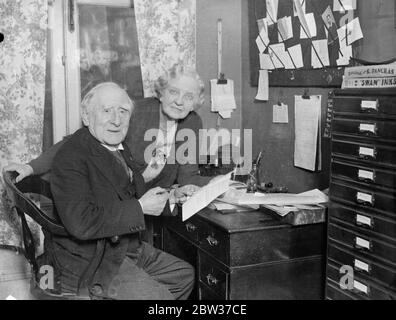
330	25
296	53
285	29
277	54
260	44
205	195
346	55
354	31
303	6
222	95
309	30
265	62
263	86
272	11
344	5
322	51
263	30
280	113
307	119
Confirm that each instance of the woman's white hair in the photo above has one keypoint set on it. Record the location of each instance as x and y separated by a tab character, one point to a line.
176	71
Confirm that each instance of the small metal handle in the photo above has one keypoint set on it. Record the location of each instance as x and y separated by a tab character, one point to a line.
212	241
211	279
190	227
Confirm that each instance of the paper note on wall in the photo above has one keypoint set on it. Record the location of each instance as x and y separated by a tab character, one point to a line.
280	113
302	4
308	30
320	55
285	29
307	132
296	53
222	97
272	11
263	86
265	62
344	5
263	31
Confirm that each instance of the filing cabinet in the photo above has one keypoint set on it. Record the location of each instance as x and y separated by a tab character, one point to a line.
361	227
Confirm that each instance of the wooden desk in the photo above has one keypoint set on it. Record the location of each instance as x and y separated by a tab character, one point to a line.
248	255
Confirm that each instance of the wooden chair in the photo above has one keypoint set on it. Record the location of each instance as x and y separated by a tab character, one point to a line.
48	220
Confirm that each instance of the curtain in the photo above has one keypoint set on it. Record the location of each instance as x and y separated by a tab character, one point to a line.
22	88
166	33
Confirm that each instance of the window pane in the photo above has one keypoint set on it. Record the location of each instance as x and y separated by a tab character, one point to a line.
109	48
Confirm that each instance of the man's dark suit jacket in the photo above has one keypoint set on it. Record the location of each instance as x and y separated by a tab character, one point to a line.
95	201
146	116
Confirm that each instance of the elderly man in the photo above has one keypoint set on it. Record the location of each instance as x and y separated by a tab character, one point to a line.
99	195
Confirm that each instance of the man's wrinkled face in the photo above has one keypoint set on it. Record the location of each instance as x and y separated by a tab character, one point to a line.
179	97
108	117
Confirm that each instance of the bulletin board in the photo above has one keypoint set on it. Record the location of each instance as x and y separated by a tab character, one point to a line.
307	76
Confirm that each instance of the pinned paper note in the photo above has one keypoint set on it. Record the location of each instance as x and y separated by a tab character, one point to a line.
265	62
263	86
353	31
263	31
346	55
260	44
285	29
309	30
344	5
277	53
307	132
272	11
302	4
296	53
280	113
320	55
222	97
330	25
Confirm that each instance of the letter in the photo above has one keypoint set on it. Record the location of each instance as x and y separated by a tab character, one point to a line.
151	310
148	136
187	152
47	279
346	281
178	310
247	152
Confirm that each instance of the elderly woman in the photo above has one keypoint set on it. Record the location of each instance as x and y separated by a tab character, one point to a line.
179	94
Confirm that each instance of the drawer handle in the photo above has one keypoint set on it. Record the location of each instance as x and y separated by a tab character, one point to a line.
365	199
369	106
362	244
211	279
367	153
366	175
364	221
190	227
359	287
361	266
368	129
212	241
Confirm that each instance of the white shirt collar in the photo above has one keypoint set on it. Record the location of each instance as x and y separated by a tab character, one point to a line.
111	148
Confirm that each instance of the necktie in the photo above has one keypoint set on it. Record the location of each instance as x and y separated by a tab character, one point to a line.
122	161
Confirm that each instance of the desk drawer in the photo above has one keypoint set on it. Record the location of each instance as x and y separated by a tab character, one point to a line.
189	228
215	242
373	128
380	178
212	275
377	272
363	197
366	245
361	287
371	106
369	153
364	220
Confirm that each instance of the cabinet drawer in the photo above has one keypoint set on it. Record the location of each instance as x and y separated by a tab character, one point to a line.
369	153
189	228
374	105
360	287
211	274
365	245
373	128
215	242
377	272
334	292
362	197
364	220
380	178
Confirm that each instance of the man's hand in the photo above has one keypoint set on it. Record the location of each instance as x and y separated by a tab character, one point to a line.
154	168
24	170
154	200
181	194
